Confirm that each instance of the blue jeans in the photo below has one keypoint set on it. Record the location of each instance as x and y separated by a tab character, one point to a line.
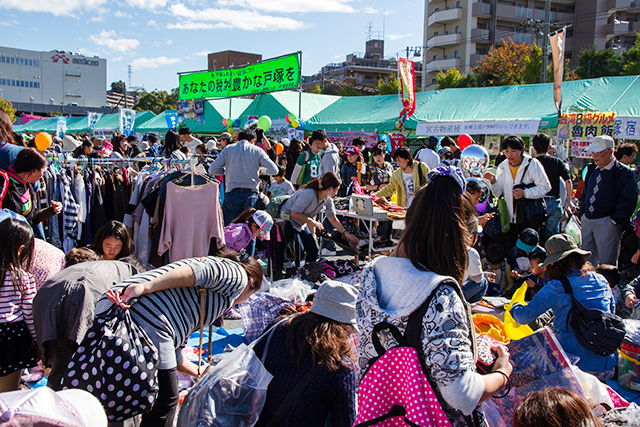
309	244
474	291
554	215
237	201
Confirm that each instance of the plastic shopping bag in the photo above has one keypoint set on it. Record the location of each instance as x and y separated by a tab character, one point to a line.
574	229
514	330
230	394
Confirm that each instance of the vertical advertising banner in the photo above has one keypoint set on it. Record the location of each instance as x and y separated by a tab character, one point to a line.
61	127
406	72
557	49
580	129
172	120
92	119
127	118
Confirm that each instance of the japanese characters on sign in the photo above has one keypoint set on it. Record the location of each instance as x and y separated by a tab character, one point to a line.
626	128
370	138
92	119
496	127
581	128
267	76
127	118
61	126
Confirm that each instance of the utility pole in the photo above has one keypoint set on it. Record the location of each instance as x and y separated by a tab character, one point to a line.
545	44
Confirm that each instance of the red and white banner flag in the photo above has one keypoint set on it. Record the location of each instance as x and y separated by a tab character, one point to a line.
557	41
406	72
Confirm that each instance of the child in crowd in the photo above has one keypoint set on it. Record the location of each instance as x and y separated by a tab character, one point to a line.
518	258
496	263
18	289
625	295
280	186
242	232
537	279
113	241
475	284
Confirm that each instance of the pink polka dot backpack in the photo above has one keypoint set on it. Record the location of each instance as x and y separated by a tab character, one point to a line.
395	390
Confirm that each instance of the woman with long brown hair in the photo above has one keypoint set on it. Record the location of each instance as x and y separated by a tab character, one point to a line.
430	260
313	348
554	407
565	259
303	206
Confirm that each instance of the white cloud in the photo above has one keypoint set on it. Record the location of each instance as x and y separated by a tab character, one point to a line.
292	6
56	7
146	4
121	14
340	55
201	54
169	42
98	18
228	18
140	63
117	58
109	40
9	23
394	37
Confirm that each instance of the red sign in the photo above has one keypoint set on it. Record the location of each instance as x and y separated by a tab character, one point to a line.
396	140
26	118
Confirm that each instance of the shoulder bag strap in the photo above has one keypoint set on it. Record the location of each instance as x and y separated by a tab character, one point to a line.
525	170
292	397
203	293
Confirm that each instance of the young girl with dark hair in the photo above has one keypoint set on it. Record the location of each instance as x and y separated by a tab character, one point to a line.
17	333
21	197
120	147
430	260
172	144
303	206
248	226
554	407
113	241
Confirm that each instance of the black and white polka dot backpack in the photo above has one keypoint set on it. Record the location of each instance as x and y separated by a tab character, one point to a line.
116	362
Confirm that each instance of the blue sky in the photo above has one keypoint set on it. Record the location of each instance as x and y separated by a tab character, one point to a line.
160	37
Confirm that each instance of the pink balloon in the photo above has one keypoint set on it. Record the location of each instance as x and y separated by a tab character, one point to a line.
224	122
464	141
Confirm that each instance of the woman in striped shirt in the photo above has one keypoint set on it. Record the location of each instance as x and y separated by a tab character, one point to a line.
17	333
165	303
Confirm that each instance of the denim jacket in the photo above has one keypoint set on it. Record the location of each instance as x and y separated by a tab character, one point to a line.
591	290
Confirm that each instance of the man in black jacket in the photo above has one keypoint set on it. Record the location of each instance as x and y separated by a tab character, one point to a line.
609	198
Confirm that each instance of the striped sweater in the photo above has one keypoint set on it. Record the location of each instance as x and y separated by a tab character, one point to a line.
170	316
15	307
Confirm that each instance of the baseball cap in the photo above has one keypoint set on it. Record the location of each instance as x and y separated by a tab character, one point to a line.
265	222
353	151
69	143
336	301
600	143
444	150
46	408
226	136
528	240
285	142
432	142
144	145
212	144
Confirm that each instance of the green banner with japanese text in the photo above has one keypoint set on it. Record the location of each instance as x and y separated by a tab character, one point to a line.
268	76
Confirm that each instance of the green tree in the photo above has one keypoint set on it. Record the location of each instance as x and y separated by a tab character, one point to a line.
388	86
533	66
157	101
593	63
54	113
631	57
450	79
118	87
349	91
317	90
8	107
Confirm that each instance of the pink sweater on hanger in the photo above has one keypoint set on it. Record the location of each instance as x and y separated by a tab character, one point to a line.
192	216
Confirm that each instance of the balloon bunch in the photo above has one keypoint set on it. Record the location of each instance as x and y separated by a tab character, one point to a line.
228	123
292	120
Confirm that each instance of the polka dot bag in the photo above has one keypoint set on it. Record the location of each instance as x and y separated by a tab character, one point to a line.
395	390
116	362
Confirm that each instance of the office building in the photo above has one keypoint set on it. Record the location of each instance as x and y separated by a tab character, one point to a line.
41	82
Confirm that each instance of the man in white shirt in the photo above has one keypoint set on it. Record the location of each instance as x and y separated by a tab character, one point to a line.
188	139
428	154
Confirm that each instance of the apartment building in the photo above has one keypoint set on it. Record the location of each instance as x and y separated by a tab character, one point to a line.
458	33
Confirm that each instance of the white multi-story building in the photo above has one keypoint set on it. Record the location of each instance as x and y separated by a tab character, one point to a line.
42	81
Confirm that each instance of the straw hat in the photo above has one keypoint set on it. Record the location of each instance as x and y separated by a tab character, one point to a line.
561	246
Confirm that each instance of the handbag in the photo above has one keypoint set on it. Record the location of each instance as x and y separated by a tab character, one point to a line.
503	214
116	362
303	170
530	213
493	227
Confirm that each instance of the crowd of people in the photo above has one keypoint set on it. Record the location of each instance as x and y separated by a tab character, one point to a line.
463	238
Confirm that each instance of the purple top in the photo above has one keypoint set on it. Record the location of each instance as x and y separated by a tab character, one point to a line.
237	236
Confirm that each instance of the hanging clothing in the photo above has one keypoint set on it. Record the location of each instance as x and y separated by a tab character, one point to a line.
192	217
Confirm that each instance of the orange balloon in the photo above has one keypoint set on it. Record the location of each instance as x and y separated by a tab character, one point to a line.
43	141
279	148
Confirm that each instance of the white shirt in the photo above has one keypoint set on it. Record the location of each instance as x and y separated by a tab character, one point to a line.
407	178
474	266
193	144
430	157
284	189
